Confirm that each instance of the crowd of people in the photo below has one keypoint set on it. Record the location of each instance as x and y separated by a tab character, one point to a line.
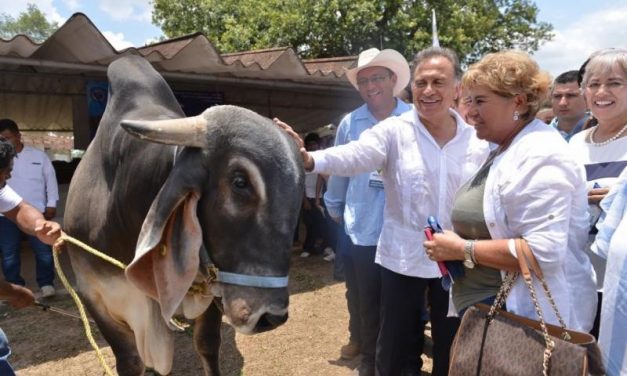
474	149
475	152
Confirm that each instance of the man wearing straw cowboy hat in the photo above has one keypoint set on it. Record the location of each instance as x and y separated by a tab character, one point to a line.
378	77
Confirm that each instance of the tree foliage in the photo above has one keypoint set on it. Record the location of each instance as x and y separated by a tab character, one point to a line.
31	22
326	28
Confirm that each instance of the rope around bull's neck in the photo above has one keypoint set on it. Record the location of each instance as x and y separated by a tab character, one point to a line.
75	297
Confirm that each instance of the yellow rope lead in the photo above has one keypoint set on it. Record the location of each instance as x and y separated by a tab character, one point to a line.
194	289
93	251
77	300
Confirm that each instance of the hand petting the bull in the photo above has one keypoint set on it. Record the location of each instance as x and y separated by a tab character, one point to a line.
446	246
308	161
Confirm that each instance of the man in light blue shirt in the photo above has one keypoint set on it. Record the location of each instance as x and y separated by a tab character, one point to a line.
359	200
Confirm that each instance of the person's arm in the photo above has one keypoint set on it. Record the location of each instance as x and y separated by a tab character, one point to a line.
17	296
367	154
32	222
321	181
493	253
335	196
52	189
537	206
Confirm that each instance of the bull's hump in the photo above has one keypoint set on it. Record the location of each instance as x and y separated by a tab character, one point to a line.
133	77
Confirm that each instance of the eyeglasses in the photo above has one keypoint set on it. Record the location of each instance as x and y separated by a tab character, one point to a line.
375	79
611	86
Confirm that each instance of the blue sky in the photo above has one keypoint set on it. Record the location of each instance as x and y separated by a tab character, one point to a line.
581	27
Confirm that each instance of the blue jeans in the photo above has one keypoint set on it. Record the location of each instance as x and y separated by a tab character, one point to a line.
5	351
10	242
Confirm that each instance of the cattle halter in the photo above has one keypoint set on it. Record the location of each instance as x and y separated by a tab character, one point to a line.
214	274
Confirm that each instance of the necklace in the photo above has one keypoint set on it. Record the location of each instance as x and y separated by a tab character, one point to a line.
613	138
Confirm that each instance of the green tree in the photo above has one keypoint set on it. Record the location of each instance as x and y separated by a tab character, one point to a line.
325	28
31	22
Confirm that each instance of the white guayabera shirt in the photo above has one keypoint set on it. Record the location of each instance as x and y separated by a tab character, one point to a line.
419	177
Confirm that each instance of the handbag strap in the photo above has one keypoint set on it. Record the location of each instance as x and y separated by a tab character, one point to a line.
528	264
524	254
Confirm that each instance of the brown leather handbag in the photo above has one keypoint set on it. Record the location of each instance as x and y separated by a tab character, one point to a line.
491	341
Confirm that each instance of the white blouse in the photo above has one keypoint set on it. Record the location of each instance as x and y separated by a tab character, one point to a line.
536	190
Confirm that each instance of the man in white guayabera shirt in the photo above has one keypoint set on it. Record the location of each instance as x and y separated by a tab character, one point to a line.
424	156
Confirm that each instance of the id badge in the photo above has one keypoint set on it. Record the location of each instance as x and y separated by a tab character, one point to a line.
375	180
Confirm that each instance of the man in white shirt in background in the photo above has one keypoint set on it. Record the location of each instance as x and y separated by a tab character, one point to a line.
34	179
32	222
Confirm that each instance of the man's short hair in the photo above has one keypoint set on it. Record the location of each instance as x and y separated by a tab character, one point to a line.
7	152
444	52
566	77
10	125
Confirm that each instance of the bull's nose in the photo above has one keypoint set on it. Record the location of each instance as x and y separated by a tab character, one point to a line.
269	321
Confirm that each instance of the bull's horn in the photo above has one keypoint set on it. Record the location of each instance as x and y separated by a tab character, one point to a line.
190	131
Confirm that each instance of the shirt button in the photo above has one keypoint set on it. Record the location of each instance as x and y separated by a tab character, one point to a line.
492	224
551	216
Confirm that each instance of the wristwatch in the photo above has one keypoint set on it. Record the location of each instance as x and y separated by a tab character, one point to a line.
469	249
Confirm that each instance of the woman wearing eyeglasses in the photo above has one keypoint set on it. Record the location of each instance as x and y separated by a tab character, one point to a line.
603	149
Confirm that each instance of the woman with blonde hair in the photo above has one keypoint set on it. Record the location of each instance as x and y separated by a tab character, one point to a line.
530	187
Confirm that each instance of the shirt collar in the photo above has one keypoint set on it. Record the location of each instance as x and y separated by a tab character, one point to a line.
364	113
412	117
576	129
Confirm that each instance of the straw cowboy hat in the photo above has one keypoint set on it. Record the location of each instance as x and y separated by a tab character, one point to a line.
388	58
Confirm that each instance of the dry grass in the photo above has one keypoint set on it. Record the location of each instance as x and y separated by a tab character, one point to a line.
45	343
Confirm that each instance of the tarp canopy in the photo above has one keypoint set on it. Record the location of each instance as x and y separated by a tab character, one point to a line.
44	86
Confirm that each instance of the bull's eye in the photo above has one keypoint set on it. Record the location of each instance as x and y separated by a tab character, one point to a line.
239	182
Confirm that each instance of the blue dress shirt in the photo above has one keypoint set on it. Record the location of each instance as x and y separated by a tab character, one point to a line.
357	198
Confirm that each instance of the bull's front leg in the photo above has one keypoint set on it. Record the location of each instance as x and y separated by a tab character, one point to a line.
207	339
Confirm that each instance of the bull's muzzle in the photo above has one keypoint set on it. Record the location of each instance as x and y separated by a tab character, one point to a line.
269	321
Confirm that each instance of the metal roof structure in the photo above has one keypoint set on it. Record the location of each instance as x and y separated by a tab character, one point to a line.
49	79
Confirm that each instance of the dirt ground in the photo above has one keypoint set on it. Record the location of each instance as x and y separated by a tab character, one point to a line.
46	343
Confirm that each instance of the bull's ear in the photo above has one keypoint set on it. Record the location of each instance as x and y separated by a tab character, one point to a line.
167	253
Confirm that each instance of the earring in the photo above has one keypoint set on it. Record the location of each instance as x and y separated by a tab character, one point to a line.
516	115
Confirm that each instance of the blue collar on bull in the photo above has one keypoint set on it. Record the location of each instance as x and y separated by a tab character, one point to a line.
216	275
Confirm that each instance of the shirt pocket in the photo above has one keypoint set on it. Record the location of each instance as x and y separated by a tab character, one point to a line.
415	196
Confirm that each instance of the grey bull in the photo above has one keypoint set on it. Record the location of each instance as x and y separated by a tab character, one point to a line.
153	190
